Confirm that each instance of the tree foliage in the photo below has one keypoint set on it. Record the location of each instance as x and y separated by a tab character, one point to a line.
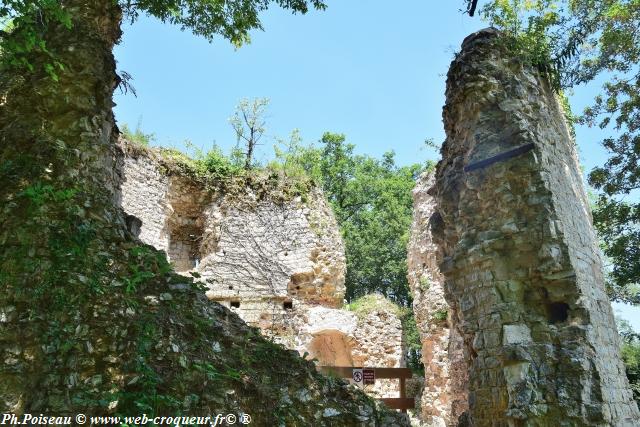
23	23
526	24
616	55
630	352
231	19
249	122
577	42
373	205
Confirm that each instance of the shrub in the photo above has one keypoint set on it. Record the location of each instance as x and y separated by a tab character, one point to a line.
137	137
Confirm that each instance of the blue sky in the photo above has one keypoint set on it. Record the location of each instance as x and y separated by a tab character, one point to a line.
371	69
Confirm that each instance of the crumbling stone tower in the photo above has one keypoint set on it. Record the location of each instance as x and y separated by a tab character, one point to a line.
520	258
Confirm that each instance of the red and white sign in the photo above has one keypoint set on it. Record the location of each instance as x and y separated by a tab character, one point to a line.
368	376
357	376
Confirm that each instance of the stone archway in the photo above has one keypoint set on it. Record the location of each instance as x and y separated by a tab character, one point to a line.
331	348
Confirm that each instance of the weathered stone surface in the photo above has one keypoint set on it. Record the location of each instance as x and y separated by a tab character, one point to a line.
143	193
278	263
444	396
519	255
246	247
289	250
345	338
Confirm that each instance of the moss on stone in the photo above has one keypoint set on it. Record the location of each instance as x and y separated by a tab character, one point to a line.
266	183
367	304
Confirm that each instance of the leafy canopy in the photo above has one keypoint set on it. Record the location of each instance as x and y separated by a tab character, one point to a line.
630	352
526	24
25	21
232	19
372	201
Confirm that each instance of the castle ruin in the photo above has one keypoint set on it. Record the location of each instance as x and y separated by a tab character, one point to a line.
504	267
502	234
275	259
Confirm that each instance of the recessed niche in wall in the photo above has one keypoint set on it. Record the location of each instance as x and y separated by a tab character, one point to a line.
557	312
185	227
235	304
183	251
331	348
287	305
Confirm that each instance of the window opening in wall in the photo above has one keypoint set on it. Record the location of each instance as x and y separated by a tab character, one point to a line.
235	304
230	287
558	312
287	305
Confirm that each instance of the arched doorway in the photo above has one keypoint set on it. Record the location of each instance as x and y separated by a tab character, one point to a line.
331	348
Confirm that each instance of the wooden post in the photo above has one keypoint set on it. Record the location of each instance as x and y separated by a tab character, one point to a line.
403	391
403	403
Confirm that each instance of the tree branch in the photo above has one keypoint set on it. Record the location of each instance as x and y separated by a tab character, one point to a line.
471	8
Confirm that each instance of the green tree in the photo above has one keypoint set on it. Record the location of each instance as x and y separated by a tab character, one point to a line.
616	55
630	352
231	19
372	201
248	122
577	42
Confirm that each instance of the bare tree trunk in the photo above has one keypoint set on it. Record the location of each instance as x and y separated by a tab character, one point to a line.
250	146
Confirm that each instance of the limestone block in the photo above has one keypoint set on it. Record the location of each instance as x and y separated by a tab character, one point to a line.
516	334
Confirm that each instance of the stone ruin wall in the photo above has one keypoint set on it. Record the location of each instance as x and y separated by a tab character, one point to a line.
289	250
519	257
444	396
343	338
259	254
143	194
279	264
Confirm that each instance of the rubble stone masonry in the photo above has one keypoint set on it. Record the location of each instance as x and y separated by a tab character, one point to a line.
520	258
277	262
444	397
